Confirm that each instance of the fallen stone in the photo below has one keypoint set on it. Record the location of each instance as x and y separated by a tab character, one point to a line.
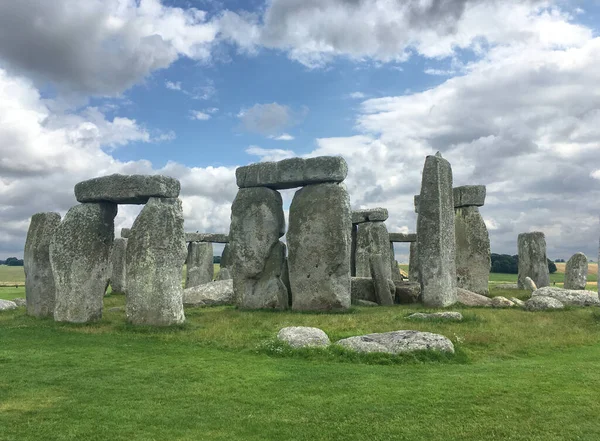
200	267
372	238
408	292
532	259
293	172
319	238
210	294
436	239
517	302
40	290
382	290
20	301
469	196
473	258
397	342
576	272
457	316
541	303
501	302
116	309
365	303
127	189
79	254
207	237
568	296
369	215
125	232
506	286
224	274
403	237
530	284
469	298
303	337
7	305
156	253
118	265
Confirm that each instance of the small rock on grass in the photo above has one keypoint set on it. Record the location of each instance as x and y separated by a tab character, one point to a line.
456	316
19	301
7	305
360	302
397	342
542	303
501	302
517	302
303	336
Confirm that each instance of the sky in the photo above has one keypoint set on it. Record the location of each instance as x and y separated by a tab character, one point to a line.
508	91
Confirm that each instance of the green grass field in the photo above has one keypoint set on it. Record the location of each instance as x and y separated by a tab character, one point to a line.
222	376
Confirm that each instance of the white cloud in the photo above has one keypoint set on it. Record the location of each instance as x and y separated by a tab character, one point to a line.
357	95
270	154
173	86
270	119
595	174
198	115
284	137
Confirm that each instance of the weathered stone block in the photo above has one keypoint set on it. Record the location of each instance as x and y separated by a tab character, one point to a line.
403	237
209	294
225	257
473	258
207	237
576	272
125	232
532	259
372	238
118	264
382	289
408	292
362	288
127	189
414	275
369	215
469	196
200	267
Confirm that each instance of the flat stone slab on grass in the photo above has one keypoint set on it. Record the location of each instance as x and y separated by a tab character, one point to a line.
403	237
450	315
397	342
127	189
7	305
303	336
506	286
294	172
20	301
369	215
568	296
469	196
469	298
207	237
501	302
542	303
517	302
210	294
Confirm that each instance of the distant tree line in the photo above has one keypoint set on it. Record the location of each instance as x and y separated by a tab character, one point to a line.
12	261
216	259
507	264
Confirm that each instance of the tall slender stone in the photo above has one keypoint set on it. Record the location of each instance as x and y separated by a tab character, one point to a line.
79	253
225	258
118	277
436	239
257	255
372	238
156	253
532	259
414	274
395	269
576	272
382	287
200	266
39	282
319	239
473	258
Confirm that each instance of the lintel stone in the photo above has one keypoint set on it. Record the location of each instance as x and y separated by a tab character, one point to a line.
369	215
127	189
403	237
207	237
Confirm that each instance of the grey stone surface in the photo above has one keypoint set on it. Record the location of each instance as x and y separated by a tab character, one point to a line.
210	294
436	238
285	278
576	272
294	172
81	266
118	266
403	237
125	232
365	303
469	196
532	259
501	302
319	248
362	288
303	336
530	284
506	286
39	281
369	215
256	254
372	238
7	305
224	274
395	268
573	297
207	237
20	301
382	289
450	315
414	274
541	303
517	302
473	258
156	252
408	292
127	189
397	342
225	257
469	298
417	199
200	267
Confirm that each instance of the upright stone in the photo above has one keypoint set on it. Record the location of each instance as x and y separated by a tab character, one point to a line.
79	254
118	277
319	238
125	232
382	288
225	257
395	269
414	275
532	259
473	258
372	238
576	272
436	238
257	255
39	281
200	266
156	253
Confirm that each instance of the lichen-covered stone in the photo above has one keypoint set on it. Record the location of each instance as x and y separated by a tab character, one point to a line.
575	297
468	298
127	189
319	248
576	272
382	289
369	215
303	336
156	253
436	238
79	254
542	303
20	301
501	302
125	232
210	294
473	258
469	196
532	259
257	255
455	316
200	267
408	292
7	305
517	302
207	237
224	274
118	265
293	172
39	281
398	342
225	257
530	284
414	274
362	288
403	237
372	238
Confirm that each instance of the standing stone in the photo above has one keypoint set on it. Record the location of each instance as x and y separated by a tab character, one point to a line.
257	255
473	258
225	257
79	254
200	267
576	272
372	238
125	232
156	252
532	259
319	248
118	278
436	238
39	281
382	289
413	263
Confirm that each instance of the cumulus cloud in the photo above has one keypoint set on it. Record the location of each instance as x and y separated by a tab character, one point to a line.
270	119
270	154
284	137
198	115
